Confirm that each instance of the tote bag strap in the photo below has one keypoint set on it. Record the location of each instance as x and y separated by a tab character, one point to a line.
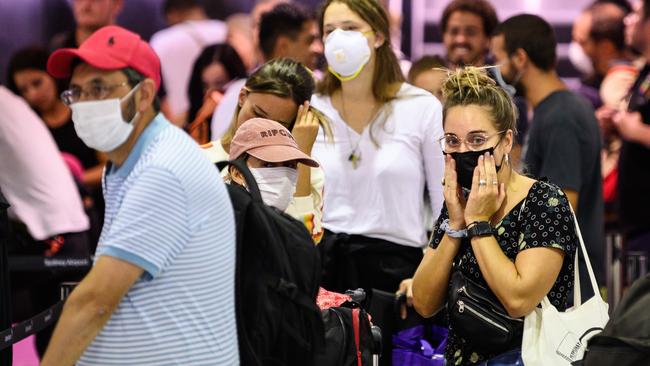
577	298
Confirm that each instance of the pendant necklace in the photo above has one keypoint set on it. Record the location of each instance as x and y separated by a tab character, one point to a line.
355	154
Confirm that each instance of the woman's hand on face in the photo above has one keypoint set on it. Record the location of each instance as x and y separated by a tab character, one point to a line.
487	194
306	128
454	198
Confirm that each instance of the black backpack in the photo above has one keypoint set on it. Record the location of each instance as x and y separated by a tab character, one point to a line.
277	281
625	341
350	338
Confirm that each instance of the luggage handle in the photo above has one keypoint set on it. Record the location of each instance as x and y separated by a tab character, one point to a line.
251	184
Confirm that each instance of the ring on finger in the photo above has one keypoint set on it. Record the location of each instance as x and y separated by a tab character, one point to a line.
482	182
495	182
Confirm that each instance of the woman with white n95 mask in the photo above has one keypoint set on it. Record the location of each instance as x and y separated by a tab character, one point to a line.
383	160
384	157
272	155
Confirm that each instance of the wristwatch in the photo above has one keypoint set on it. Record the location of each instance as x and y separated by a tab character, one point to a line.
480	228
451	232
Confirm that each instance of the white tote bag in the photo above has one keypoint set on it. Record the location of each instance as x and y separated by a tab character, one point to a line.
555	338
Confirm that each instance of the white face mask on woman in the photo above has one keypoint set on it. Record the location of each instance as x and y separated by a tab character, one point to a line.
347	52
277	185
99	123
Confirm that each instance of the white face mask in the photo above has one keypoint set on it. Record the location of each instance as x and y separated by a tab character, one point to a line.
99	124
347	52
277	185
579	59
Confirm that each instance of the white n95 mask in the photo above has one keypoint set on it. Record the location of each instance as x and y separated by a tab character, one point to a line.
277	185
99	123
347	52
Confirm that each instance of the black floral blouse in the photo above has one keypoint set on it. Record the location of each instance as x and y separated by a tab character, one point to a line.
546	221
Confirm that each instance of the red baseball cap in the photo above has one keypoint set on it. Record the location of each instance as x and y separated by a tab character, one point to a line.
269	141
109	48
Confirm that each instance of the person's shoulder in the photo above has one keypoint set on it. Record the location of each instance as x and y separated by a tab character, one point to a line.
13	107
548	194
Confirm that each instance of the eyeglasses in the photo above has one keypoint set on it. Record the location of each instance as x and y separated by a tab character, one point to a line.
93	92
474	141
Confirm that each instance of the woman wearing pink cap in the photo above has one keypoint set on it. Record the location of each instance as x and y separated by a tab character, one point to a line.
272	155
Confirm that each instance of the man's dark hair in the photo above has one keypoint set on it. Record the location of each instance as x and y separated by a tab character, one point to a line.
623	4
482	8
286	20
425	63
533	35
179	5
607	25
646	10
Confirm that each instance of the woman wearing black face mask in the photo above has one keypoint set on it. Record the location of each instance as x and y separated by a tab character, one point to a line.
508	233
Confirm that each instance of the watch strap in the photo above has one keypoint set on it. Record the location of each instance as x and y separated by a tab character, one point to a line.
480	228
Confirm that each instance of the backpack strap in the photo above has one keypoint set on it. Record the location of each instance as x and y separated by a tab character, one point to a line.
355	325
251	184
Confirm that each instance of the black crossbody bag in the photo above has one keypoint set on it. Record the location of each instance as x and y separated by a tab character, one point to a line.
477	315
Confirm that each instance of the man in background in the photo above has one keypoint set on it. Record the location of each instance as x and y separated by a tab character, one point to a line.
89	16
285	31
189	32
466	26
564	138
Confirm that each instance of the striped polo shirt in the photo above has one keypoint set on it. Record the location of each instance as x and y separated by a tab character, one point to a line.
168	212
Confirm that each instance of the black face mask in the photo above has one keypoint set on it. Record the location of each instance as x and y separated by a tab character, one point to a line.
465	164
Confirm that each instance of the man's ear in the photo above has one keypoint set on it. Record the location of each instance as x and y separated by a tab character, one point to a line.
146	94
282	47
520	58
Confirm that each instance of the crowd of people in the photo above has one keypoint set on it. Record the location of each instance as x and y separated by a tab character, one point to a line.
406	173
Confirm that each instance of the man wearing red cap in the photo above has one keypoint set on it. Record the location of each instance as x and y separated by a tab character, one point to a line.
161	289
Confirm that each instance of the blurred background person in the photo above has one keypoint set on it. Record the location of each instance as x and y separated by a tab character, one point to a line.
285	30
189	32
240	36
89	16
564	140
598	45
47	215
633	126
213	70
466	26
28	78
428	73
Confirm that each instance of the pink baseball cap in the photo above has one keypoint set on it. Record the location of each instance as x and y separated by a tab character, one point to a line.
109	48
268	141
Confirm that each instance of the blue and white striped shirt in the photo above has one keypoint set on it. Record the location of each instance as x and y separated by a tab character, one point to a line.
168	212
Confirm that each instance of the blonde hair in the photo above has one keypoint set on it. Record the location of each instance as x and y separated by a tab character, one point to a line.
473	86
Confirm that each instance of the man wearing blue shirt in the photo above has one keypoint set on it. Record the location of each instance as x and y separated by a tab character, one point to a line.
162	287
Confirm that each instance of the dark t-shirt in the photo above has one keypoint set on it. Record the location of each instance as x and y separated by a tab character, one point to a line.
564	146
633	168
67	140
542	219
